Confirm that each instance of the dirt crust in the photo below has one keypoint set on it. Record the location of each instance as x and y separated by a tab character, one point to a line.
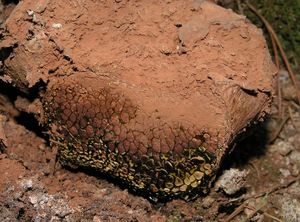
152	94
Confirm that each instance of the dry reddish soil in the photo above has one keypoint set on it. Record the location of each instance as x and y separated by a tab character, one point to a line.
34	187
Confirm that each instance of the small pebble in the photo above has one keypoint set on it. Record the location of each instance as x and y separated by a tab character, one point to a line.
207	202
26	184
285	172
96	219
231	181
56	25
30	12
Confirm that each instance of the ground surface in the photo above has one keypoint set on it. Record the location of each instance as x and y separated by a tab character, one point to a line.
33	187
153	102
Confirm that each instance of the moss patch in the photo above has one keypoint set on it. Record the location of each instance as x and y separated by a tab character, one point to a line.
284	17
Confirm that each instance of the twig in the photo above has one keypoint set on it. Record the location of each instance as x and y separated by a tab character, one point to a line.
236	212
279	94
265	213
275	50
264	193
55	152
292	118
278	43
274	189
262	204
238	2
296	106
57	142
256	170
276	134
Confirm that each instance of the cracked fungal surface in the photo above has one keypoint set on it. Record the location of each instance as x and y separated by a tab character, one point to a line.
104	130
154	104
